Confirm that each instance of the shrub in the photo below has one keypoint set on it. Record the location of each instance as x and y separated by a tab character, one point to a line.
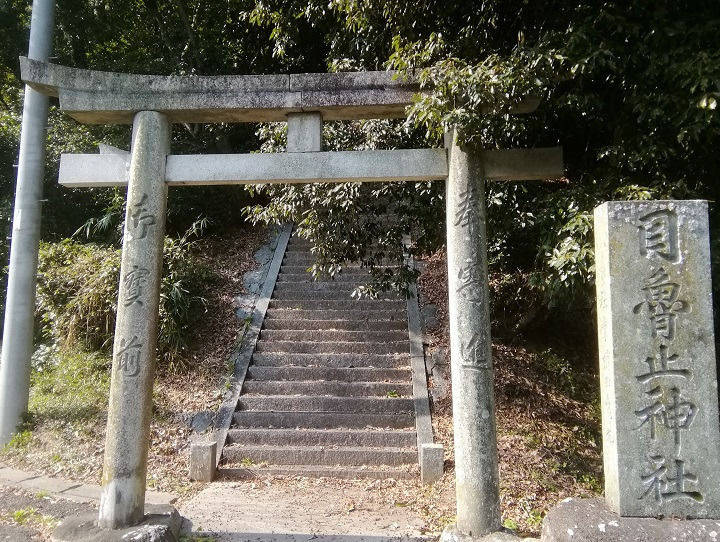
78	287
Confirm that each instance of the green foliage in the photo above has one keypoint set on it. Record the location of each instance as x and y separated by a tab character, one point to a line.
72	386
567	266
356	221
18	442
633	106
630	91
78	288
77	293
29	516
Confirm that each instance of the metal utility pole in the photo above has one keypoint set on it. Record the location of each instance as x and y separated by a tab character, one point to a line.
17	344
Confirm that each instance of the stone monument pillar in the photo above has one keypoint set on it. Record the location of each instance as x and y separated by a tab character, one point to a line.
476	465
661	433
128	429
658	380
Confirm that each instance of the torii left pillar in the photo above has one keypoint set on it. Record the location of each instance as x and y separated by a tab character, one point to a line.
122	502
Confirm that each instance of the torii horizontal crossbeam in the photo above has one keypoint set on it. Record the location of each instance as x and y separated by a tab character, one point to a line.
93	170
96	97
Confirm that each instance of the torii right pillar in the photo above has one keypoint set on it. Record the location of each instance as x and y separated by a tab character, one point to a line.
476	462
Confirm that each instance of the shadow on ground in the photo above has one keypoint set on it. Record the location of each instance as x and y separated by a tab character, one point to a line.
299	537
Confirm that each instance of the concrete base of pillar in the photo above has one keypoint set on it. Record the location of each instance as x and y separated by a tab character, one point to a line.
451	534
591	520
161	524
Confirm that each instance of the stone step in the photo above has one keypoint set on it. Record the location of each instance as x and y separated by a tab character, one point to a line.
304	269
321	420
360	374
315	286
282	359
304	256
347	305
299	255
297	252
334	325
340	279
304	263
331	295
319	347
357	316
319	455
325	387
232	472
322	437
296	268
339	336
353	405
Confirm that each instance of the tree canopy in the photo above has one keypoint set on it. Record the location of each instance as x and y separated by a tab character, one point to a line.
629	90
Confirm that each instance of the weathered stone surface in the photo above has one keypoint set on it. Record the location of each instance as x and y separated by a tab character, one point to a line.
439	370
244	306
522	164
657	360
432	462
105	97
429	316
304	132
200	421
476	465
161	524
136	329
264	254
46	483
452	534
202	461
88	170
304	163
13	476
104	148
590	520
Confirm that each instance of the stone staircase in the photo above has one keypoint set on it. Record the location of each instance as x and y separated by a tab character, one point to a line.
328	391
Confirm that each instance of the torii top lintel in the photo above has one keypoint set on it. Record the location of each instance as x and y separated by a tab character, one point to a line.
96	97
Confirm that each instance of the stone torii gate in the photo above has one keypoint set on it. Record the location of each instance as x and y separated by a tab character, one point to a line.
152	103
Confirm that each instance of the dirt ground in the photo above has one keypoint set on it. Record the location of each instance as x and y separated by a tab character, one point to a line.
304	509
547	410
74	449
29	516
547	415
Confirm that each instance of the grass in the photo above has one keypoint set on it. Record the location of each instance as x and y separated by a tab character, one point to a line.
18	442
31	517
68	402
64	433
73	390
